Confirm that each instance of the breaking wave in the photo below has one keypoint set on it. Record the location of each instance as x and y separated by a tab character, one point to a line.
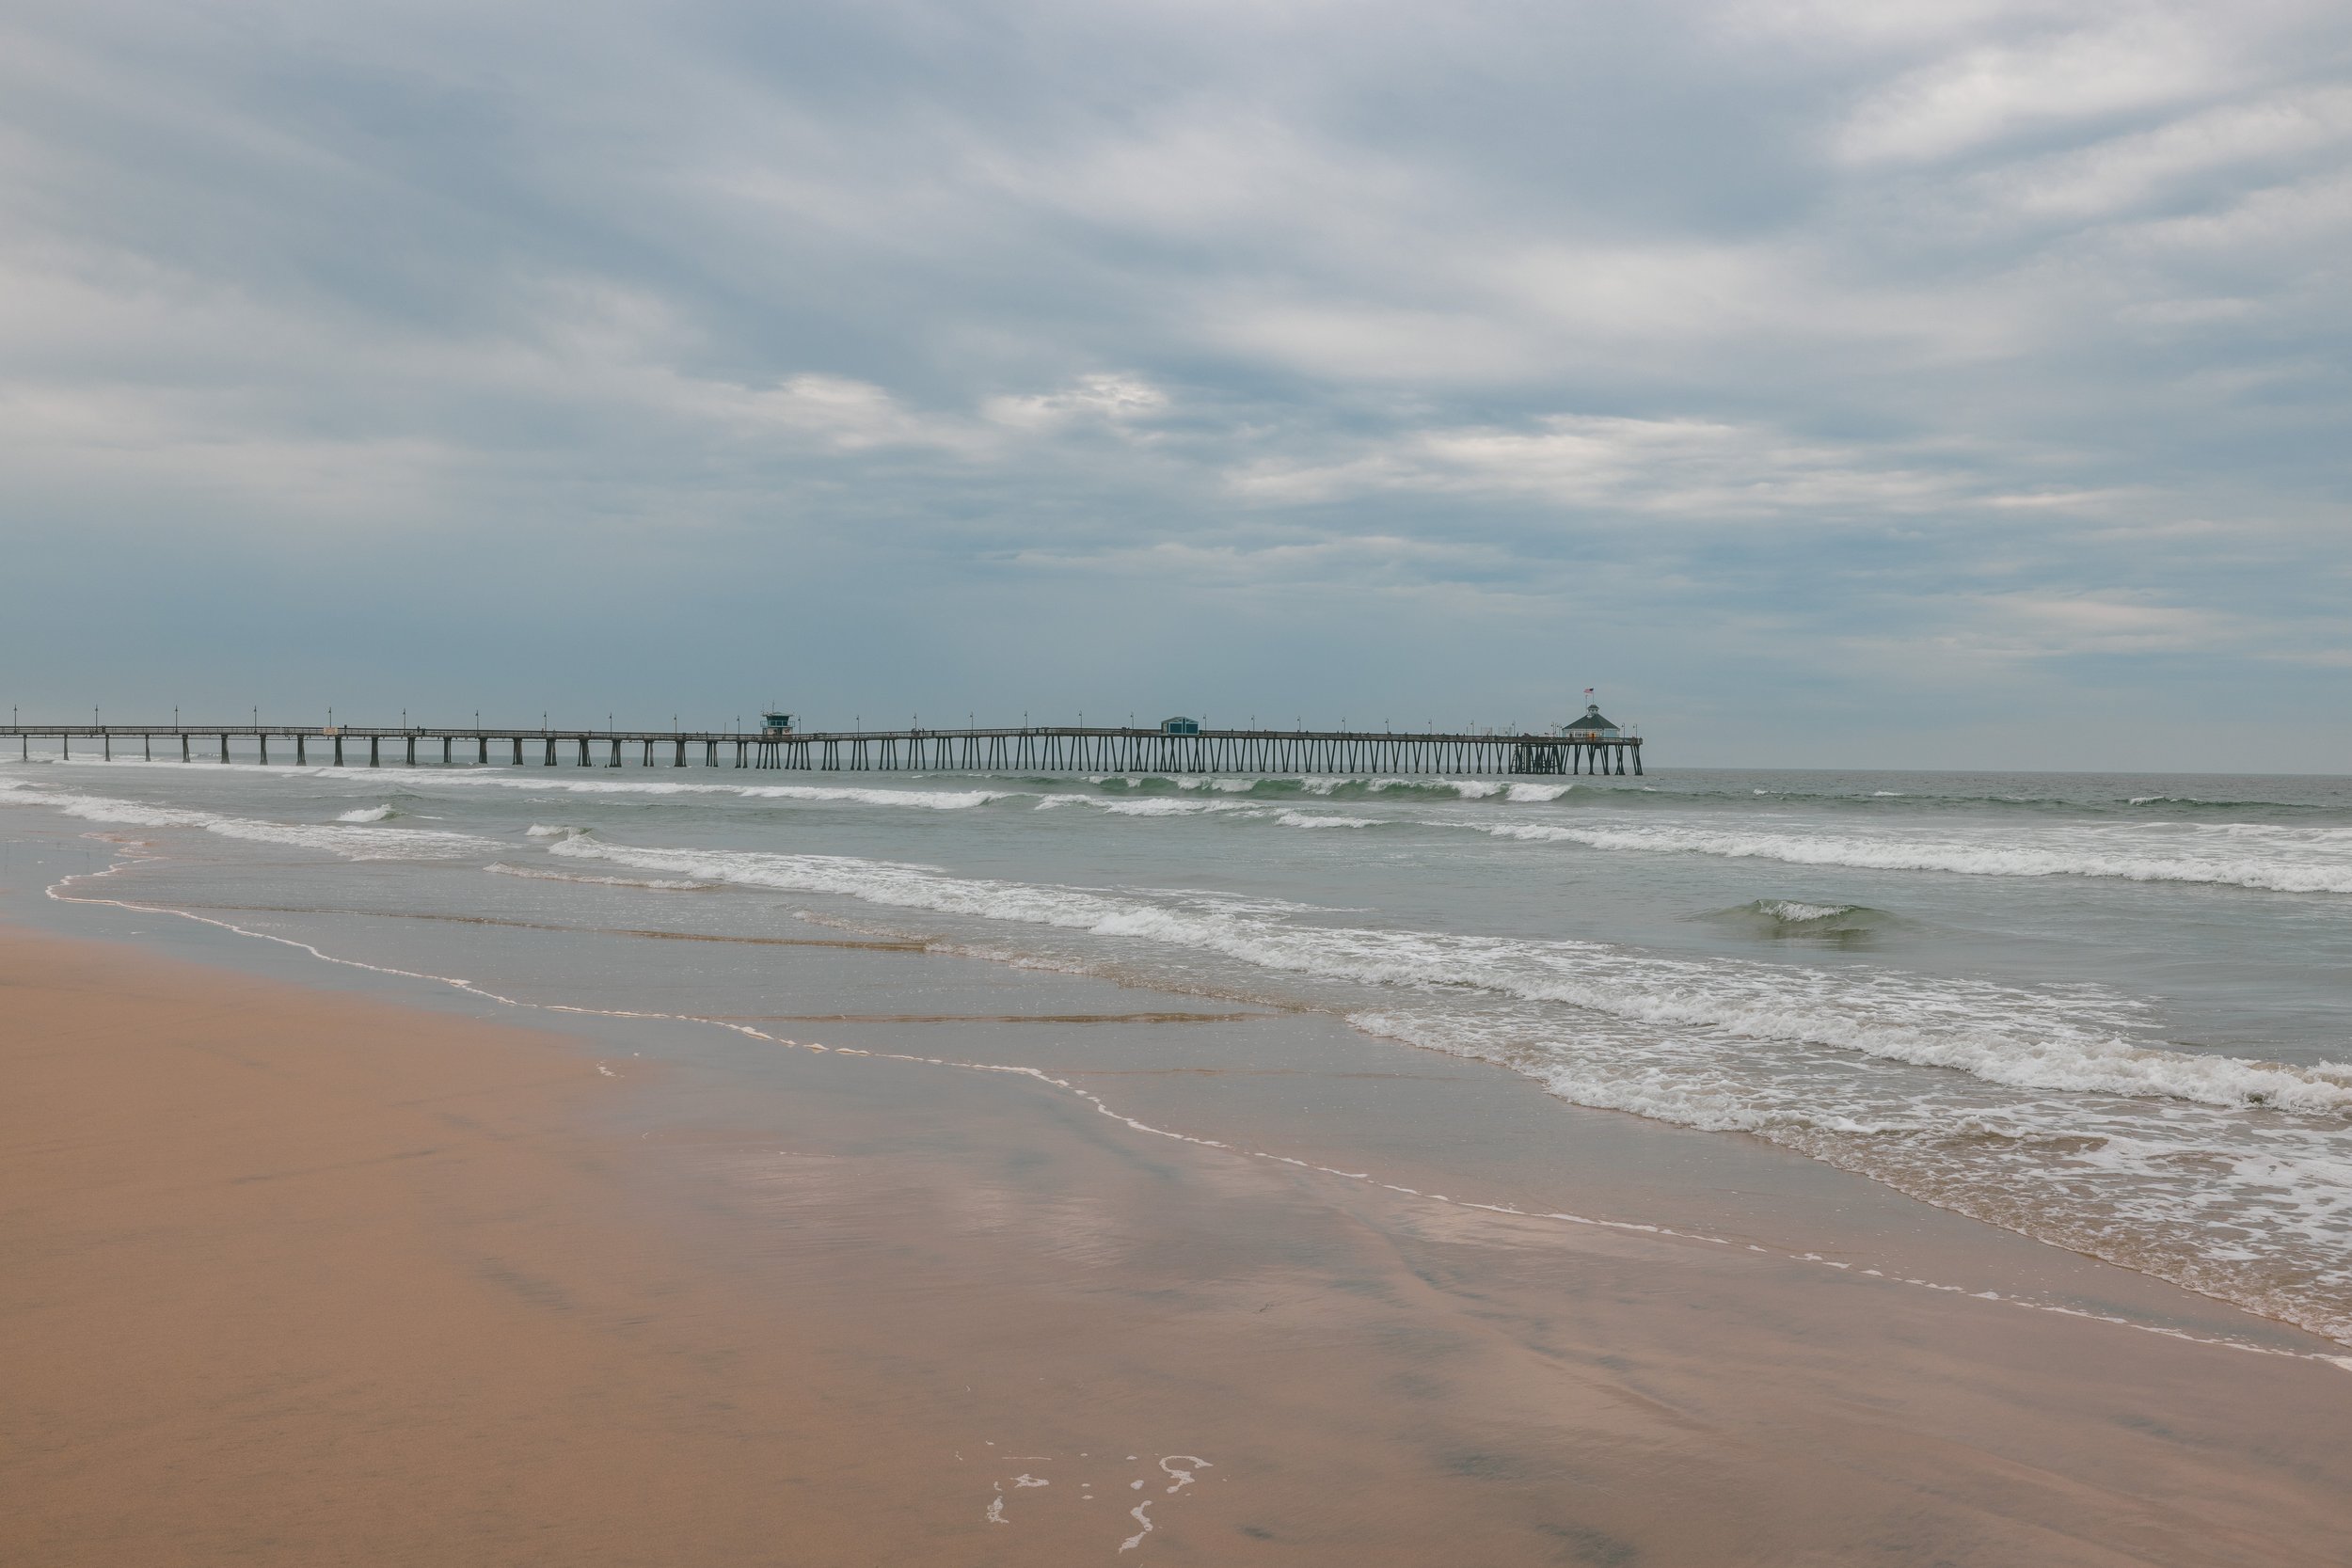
356	841
2045	1110
1287	787
501	869
2015	1037
929	800
2248	855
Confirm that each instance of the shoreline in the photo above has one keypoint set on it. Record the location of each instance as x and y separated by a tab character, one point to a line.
1625	1171
300	1275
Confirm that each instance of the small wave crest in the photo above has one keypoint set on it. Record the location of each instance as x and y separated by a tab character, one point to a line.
1283	786
369	814
500	868
1802	918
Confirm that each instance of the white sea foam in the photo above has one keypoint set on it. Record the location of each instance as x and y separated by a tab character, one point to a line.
2251	1206
2250	855
353	842
664	884
368	813
1790	910
1160	806
927	799
2020	1039
1324	820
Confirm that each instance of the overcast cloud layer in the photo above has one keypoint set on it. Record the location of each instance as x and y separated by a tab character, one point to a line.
1864	383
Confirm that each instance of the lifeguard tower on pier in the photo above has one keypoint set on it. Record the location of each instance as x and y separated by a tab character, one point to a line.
1593	725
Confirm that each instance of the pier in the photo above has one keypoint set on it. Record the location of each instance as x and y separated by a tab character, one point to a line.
1041	749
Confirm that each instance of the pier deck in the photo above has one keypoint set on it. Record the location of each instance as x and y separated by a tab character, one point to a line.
1042	749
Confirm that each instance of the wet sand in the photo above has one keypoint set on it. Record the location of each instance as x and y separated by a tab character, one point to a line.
299	1276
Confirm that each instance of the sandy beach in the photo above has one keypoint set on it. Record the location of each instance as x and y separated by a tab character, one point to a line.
297	1276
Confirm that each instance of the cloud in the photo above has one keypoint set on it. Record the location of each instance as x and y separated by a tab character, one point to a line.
2040	623
1113	400
1988	91
2021	326
2128	171
1702	470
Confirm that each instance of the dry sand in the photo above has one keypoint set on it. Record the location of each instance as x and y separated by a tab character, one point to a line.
294	1276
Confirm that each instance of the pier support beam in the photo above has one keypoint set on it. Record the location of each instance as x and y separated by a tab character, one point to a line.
375	754
262	741
339	750
224	748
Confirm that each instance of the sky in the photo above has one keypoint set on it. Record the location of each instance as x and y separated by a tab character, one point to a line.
1951	383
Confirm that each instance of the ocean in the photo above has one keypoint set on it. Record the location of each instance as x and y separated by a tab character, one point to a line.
2105	1012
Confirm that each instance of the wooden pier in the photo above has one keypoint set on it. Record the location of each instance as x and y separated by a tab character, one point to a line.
1027	750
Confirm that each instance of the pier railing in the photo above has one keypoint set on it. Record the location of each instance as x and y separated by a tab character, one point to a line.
1034	749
